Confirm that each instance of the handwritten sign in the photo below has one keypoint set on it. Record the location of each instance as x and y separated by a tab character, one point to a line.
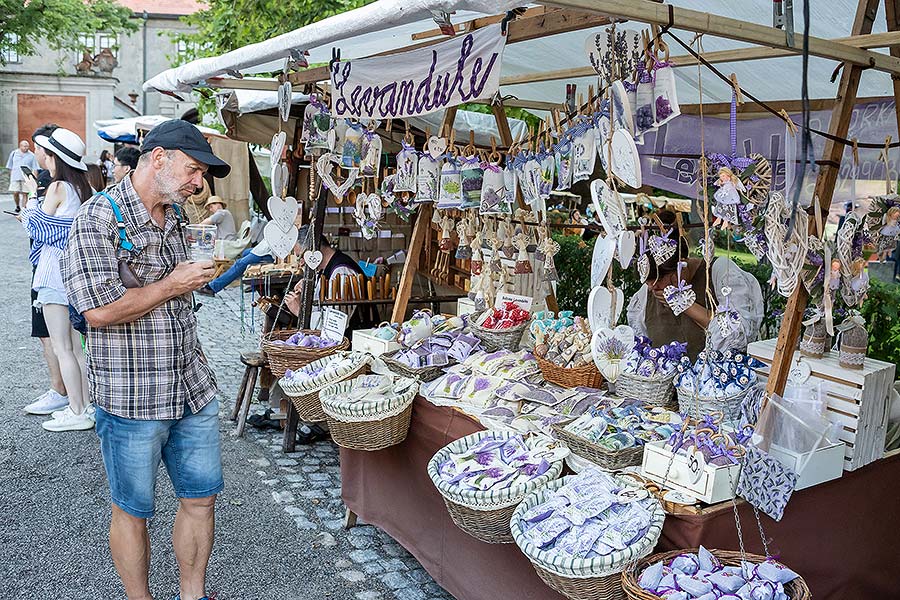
523	302
463	69
334	323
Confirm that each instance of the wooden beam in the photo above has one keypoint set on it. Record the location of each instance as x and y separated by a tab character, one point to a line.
247	83
751	109
552	22
417	241
872	40
735	29
824	190
892	16
478	23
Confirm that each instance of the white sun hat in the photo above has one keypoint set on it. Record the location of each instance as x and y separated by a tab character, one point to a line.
66	145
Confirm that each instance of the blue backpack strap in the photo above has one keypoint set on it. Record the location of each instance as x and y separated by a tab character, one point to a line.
120	223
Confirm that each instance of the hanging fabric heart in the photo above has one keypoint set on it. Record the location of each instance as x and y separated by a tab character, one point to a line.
680	297
283	212
279	177
601	259
284	100
605	308
276	147
312	259
626	162
626	243
662	248
324	167
281	242
436	147
609	206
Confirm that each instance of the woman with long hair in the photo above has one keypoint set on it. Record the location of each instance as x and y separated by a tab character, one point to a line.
49	226
106	166
95	178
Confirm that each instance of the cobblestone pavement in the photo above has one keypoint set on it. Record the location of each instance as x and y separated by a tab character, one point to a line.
279	527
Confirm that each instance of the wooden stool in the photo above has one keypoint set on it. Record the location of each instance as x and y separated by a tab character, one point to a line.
253	361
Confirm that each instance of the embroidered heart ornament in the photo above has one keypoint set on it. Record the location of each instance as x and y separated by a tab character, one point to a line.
601	312
626	248
277	146
436	146
679	299
284	100
283	211
281	242
312	259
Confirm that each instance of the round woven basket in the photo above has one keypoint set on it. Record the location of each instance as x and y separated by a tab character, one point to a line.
656	391
420	374
583	376
497	339
586	578
609	461
699	407
796	589
305	398
282	357
484	515
365	425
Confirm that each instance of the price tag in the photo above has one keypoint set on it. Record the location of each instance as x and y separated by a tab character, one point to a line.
523	302
800	373
631	495
696	464
315	319
334	323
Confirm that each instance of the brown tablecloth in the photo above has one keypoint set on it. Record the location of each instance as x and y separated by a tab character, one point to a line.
841	536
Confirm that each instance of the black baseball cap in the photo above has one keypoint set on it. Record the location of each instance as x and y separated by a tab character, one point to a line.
178	134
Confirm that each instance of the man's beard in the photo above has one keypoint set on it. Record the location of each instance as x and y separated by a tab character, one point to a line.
168	186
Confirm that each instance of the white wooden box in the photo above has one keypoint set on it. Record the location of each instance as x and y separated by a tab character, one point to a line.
714	485
464	306
826	463
858	399
364	341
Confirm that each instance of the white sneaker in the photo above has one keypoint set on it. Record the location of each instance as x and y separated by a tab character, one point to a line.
69	421
89	410
47	403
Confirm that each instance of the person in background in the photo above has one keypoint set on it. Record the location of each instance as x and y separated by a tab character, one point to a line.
220	217
95	178
54	398
649	313
155	392
18	158
125	162
195	205
848	208
106	167
49	226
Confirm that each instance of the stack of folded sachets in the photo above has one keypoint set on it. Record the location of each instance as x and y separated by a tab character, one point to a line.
494	464
626	425
439	349
717	374
701	576
592	515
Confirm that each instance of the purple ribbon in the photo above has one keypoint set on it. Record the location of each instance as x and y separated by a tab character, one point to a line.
404	147
493	167
682	284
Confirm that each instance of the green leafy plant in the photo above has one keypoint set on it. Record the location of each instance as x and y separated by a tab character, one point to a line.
883	321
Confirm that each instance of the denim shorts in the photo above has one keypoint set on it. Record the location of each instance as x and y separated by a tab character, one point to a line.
132	450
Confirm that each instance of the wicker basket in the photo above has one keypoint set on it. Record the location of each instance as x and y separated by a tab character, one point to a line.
422	374
699	407
364	425
796	589
282	357
484	515
305	398
609	461
497	339
588	578
655	391
583	376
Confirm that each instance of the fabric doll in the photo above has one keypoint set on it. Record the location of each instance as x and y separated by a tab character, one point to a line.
727	198
523	265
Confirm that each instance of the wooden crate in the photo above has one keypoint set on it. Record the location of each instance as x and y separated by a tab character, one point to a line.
858	399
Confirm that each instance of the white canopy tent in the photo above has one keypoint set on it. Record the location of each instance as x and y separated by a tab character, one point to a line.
389	25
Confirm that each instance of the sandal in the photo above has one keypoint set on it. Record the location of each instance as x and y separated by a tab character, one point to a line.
264	421
310	434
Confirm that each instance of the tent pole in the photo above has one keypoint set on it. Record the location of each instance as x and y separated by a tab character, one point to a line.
892	16
824	190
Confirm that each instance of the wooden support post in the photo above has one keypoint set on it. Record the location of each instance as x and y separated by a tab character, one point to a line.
892	16
839	125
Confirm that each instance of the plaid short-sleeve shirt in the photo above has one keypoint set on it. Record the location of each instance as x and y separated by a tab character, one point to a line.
151	367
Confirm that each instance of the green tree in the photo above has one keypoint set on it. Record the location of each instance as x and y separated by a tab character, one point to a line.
230	24
23	25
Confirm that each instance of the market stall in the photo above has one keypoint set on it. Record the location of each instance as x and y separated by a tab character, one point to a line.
644	444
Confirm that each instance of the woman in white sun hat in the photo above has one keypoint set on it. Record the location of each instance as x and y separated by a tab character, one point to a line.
49	226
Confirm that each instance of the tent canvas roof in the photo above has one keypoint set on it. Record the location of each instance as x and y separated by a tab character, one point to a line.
389	24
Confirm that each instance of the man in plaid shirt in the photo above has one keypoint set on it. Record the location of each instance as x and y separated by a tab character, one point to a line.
154	392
